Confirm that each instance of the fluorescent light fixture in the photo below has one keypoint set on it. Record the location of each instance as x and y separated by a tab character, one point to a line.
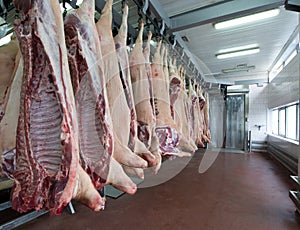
290	57
238	48
238	53
247	19
6	39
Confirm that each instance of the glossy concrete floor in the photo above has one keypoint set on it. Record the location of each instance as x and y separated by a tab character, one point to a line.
238	192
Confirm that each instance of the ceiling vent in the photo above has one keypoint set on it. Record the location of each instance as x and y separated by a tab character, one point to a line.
239	68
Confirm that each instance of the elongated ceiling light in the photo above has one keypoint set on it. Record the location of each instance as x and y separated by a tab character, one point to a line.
247	19
238	51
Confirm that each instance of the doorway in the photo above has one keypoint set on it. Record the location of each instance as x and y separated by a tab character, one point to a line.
235	121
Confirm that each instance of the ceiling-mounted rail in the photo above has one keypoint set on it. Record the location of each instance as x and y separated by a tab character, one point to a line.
157	9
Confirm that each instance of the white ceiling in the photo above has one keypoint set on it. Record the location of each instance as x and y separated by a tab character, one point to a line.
177	7
193	19
204	41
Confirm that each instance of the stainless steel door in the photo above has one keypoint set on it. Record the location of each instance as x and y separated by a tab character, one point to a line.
235	121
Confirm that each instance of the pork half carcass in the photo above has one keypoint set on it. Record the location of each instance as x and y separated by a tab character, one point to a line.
47	174
166	128
120	43
117	99
206	117
8	125
187	129
154	146
8	64
95	126
195	115
143	94
203	110
178	108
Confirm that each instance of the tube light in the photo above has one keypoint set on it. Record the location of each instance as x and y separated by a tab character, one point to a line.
290	57
247	19
238	53
238	48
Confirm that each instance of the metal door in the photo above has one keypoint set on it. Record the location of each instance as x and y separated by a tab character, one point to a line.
235	121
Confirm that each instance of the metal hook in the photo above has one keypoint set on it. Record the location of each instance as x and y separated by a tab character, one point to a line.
140	15
162	28
4	9
123	3
174	44
146	5
65	8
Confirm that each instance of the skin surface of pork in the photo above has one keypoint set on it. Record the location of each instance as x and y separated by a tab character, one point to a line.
143	94
120	43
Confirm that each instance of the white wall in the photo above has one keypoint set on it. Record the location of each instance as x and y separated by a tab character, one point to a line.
258	108
284	89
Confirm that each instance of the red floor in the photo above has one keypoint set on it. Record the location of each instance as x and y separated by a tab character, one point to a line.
239	192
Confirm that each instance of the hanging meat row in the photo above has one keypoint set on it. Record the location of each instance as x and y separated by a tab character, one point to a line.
78	112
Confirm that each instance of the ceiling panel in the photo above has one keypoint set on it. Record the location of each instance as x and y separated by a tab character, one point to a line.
270	35
204	41
177	7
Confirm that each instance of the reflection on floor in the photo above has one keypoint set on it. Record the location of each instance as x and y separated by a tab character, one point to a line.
238	192
227	150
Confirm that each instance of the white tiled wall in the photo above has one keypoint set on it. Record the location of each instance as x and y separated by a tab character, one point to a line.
258	107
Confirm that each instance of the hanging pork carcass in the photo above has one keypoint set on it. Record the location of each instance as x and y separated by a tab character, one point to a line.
9	122
195	115
178	108
47	174
135	143
187	128
206	116
8	64
116	95
154	146
203	117
166	129
95	123
142	93
95	131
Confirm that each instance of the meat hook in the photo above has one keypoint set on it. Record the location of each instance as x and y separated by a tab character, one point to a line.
140	15
174	44
3	8
145	7
162	27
